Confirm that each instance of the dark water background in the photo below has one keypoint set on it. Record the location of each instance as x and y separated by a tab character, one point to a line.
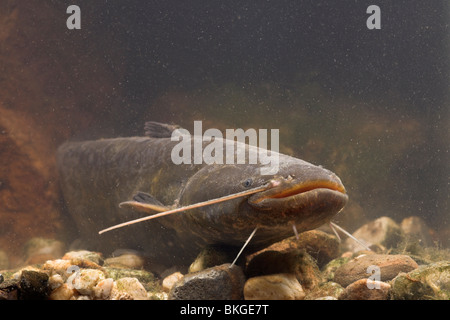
310	68
371	105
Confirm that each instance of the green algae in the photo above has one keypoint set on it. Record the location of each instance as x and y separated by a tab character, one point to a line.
430	282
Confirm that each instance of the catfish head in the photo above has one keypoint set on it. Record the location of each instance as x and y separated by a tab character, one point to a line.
300	194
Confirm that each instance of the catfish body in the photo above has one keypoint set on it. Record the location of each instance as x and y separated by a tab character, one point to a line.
98	175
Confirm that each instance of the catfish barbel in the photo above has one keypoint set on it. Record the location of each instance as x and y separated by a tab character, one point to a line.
96	176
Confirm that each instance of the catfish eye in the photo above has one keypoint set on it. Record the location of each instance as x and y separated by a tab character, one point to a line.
247	183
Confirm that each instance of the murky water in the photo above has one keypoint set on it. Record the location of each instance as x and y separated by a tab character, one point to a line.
372	105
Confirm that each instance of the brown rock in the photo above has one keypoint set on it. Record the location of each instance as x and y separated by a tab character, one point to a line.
64	292
274	287
294	261
320	245
365	289
128	261
170	281
384	267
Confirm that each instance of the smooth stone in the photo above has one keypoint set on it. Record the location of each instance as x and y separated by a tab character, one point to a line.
294	261
84	255
126	261
64	292
103	288
389	267
365	289
382	231
326	298
217	283
128	289
430	282
169	281
283	286
322	246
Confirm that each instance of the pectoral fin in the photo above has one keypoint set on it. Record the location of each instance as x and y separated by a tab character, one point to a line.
144	202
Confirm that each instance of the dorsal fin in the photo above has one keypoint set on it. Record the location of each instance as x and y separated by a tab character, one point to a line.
159	130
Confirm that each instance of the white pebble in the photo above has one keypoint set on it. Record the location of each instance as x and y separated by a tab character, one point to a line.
170	280
125	288
273	287
103	289
55	281
85	280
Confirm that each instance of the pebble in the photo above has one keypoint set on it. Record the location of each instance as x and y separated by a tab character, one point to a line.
103	288
320	245
128	289
84	280
145	277
58	266
170	281
389	266
274	287
430	282
55	281
365	289
383	231
84	255
294	261
63	292
209	257
125	261
217	283
65	267
326	298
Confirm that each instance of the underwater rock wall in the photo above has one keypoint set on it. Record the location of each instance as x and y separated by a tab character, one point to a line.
41	106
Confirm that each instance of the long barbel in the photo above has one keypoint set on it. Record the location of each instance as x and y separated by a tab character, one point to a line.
271	184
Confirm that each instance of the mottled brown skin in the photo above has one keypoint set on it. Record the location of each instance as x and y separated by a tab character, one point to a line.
98	175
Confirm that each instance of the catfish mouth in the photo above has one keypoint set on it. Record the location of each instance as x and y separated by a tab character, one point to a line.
299	192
